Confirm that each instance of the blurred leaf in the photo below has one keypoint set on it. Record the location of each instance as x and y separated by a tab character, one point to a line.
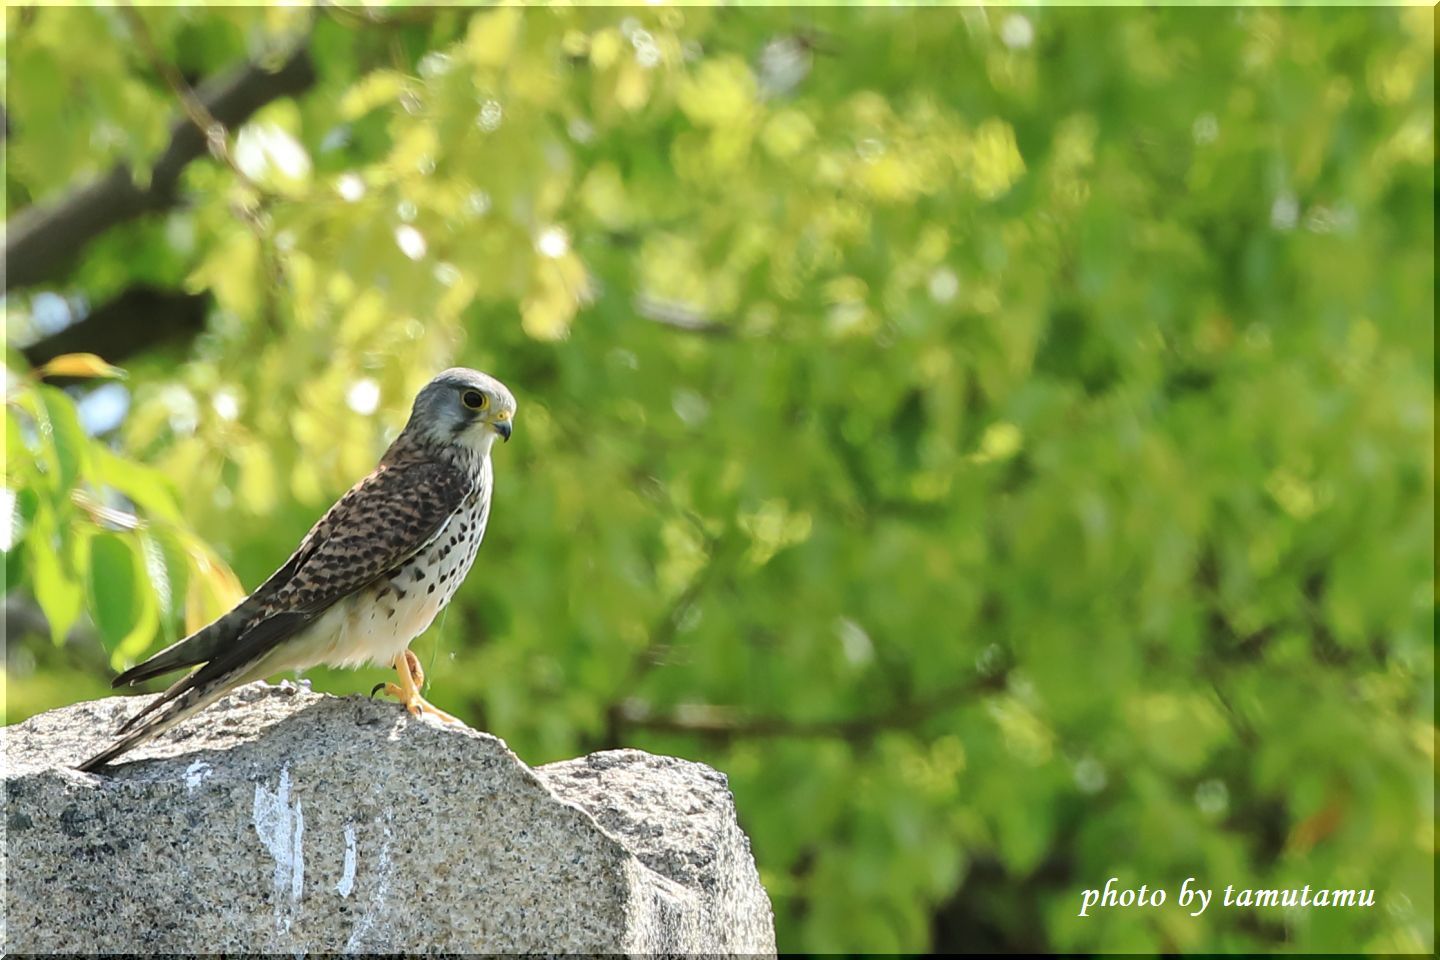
121	599
147	487
53	556
65	439
212	588
80	365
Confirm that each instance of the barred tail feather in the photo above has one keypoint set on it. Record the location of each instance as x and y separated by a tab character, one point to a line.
200	646
184	699
252	652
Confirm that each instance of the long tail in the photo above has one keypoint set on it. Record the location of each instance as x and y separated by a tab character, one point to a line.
184	699
253	654
202	645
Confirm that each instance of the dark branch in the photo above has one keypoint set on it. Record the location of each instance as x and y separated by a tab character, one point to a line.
211	127
726	723
135	321
680	316
662	638
42	240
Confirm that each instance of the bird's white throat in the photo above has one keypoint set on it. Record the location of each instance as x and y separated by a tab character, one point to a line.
479	439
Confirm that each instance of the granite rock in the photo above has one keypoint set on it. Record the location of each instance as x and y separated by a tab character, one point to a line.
281	820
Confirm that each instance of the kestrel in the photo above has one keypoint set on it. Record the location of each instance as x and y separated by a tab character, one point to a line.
368	578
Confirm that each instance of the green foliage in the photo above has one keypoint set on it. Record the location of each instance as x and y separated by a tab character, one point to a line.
1002	442
72	544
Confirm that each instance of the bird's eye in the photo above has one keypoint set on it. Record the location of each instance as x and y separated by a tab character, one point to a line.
474	399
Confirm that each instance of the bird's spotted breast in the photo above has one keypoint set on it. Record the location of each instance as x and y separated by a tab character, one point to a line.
402	603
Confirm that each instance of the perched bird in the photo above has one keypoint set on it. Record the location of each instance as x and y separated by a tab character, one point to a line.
368	578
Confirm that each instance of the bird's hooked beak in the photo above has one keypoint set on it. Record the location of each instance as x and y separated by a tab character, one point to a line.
503	427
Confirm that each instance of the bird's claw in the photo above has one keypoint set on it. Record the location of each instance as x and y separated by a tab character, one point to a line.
407	691
420	708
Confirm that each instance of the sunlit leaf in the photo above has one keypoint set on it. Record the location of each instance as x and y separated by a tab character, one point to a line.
212	588
147	487
54	562
375	89
80	365
118	585
64	439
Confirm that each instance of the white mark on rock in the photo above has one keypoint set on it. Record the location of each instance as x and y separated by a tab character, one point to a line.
347	873
382	889
281	828
297	872
195	774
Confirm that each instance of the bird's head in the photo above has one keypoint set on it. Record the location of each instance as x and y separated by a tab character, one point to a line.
464	407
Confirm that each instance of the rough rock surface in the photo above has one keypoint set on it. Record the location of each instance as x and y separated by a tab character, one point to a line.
281	821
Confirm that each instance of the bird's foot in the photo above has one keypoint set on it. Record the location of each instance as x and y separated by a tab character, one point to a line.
418	705
407	691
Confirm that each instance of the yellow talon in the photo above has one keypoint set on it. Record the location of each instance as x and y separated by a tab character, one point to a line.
407	691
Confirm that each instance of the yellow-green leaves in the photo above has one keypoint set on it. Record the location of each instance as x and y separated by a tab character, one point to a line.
91	529
773	526
64	448
233	273
375	89
212	587
995	162
122	596
559	286
787	133
492	36
55	562
721	94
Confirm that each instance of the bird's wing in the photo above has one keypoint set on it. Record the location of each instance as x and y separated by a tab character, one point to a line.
428	491
380	523
383	521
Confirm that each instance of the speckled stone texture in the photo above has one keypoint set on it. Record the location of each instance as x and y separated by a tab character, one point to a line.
281	820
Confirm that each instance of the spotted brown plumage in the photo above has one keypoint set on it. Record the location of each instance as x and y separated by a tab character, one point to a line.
367	579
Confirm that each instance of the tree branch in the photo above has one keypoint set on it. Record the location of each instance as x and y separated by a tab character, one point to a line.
212	128
662	636
726	723
42	240
679	316
138	319
217	139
